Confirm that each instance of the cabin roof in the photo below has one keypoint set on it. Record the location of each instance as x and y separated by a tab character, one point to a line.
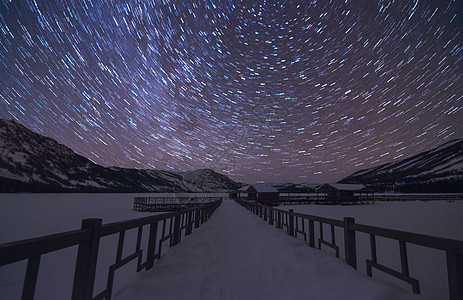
244	188
265	188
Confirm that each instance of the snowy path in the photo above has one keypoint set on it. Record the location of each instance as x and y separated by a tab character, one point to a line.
236	255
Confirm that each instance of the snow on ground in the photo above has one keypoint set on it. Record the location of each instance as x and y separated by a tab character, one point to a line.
439	218
270	262
435	218
236	255
31	215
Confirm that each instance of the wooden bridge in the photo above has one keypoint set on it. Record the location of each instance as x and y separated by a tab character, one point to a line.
303	225
176	201
171	227
168	227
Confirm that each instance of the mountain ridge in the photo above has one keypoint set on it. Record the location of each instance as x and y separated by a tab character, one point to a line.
437	170
30	162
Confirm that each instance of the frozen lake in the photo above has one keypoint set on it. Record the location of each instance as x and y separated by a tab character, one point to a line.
435	218
31	215
439	218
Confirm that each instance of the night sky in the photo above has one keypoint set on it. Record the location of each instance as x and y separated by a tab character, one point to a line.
280	91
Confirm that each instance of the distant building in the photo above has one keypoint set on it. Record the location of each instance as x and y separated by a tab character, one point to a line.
243	192
263	193
337	192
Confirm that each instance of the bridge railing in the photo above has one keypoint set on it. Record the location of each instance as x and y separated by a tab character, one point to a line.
303	225
174	225
172	203
419	197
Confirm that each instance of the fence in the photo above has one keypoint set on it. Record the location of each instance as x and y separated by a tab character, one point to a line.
174	202
419	197
288	198
88	239
301	224
293	198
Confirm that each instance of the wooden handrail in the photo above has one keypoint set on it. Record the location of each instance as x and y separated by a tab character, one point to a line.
452	248
88	239
20	250
410	237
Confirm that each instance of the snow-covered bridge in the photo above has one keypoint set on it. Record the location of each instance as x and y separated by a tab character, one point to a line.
236	255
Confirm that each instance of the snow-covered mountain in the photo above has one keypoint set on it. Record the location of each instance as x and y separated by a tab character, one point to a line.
30	162
208	179
296	187
436	170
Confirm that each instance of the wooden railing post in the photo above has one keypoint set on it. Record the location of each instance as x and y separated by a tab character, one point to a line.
291	223
206	214
455	275
30	281
177	230
189	227
197	217
203	215
87	256
350	246
152	239
311	233
265	213
270	217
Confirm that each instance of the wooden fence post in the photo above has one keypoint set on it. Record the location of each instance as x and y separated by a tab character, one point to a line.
87	256
177	231
203	215
350	246
311	233
455	275
189	221
30	281
151	245
265	213
206	214
197	217
270	217
291	222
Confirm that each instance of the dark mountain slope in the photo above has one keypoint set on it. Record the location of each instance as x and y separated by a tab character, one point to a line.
436	170
30	162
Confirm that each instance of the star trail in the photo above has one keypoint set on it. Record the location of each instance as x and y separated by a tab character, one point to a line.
280	91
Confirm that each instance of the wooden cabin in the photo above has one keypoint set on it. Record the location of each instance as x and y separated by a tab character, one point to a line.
242	193
263	193
346	193
252	193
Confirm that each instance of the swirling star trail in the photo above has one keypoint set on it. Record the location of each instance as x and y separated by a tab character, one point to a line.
301	91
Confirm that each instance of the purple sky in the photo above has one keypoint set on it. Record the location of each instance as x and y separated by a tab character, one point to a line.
288	91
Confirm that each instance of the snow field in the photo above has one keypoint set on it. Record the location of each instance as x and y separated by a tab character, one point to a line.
263	269
236	255
435	218
32	215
